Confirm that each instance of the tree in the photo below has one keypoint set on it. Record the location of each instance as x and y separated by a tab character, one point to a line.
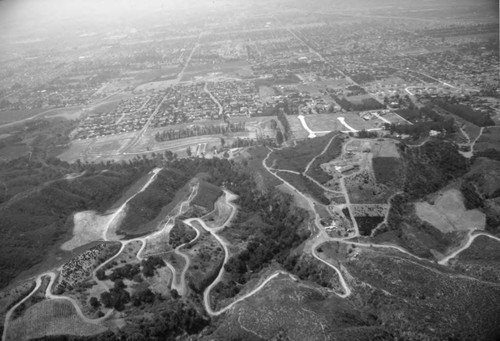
94	302
279	137
175	294
100	274
106	299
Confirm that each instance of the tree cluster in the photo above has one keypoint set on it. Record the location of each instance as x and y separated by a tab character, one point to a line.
116	297
286	125
366	104
150	264
466	112
199	130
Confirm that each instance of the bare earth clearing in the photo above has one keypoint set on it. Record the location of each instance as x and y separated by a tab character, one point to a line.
88	227
448	213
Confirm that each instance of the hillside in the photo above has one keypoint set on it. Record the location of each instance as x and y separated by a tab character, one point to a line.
37	220
481	189
425	170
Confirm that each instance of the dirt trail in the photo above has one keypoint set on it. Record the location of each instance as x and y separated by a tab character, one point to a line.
468	243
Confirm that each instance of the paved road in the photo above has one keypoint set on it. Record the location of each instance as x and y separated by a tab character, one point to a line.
312	134
221	110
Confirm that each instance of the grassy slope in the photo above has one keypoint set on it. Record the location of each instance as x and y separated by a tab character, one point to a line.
306	186
207	195
145	206
334	151
296	158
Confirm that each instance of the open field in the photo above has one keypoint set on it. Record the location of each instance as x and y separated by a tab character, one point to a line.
50	317
299	199
384	148
266	93
12	116
157	244
197	72
263	178
322	122
296	158
298	131
394	118
17	115
306	186
334	150
448	213
161	281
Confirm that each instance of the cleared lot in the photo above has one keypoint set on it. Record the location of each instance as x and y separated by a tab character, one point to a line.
448	213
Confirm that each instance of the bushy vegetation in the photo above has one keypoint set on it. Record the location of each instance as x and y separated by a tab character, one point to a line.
424	114
424	120
431	166
481	189
199	130
127	271
180	234
286	125
309	270
116	297
466	112
366	104
388	171
150	264
366	224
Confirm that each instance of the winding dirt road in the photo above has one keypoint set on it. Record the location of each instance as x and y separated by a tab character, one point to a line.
464	247
311	246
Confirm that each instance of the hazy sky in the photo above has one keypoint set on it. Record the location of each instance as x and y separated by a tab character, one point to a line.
34	15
